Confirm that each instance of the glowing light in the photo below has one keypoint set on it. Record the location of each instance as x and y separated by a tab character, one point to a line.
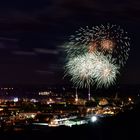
15	99
1	109
76	99
107	44
40	124
92	47
33	115
93	118
44	93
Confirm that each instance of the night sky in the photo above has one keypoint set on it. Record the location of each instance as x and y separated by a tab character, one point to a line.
32	33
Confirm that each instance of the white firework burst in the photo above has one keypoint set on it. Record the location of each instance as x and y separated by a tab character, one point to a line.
81	70
91	68
105	74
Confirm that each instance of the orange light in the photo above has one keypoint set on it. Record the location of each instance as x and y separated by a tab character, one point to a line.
92	47
107	44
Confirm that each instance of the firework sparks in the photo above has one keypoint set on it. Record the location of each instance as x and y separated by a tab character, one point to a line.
95	55
106	73
92	68
108	39
81	70
107	44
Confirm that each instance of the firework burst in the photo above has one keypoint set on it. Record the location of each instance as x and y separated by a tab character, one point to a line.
81	70
105	72
108	39
91	68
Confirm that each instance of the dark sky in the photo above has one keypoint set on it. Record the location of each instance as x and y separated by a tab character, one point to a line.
32	32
